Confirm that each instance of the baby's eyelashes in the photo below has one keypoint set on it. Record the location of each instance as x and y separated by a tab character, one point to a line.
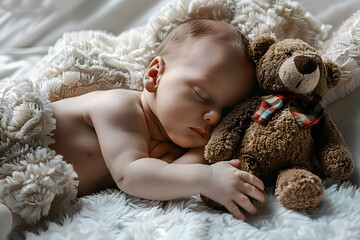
202	94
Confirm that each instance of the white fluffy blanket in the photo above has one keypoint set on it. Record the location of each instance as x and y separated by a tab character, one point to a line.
114	215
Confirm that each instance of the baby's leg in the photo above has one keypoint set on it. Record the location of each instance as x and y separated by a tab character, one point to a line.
6	221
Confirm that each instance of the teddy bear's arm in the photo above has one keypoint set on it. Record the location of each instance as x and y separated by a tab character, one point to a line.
228	133
332	153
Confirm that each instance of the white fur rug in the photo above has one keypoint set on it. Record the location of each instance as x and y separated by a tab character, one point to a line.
114	215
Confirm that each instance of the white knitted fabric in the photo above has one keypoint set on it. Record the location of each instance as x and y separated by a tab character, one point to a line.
344	50
34	180
81	62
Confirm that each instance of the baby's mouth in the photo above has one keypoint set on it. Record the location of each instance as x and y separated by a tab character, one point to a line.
201	132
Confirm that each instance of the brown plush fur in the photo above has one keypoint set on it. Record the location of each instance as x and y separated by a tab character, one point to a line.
281	150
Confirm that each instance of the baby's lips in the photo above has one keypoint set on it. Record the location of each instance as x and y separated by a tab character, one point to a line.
206	135
203	132
207	131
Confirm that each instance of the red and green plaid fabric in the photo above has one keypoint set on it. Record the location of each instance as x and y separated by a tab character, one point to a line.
306	110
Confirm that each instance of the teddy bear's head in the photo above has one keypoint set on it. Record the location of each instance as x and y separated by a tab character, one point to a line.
291	66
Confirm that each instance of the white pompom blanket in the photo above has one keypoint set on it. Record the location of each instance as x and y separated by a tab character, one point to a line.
35	181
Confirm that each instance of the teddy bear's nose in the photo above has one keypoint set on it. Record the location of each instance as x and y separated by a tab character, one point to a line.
305	64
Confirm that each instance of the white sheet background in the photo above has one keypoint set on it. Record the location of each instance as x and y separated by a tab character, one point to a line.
29	27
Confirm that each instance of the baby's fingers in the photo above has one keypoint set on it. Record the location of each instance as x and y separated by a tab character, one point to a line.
253	192
235	211
245	203
251	179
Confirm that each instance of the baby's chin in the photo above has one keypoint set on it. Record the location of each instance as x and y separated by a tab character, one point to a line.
189	142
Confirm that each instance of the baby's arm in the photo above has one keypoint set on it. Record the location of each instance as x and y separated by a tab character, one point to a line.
125	150
194	155
157	180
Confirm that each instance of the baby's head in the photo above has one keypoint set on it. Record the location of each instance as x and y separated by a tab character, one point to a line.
201	68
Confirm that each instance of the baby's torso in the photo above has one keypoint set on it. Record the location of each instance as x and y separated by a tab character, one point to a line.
76	140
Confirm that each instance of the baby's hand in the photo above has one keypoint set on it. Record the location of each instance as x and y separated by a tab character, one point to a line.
232	188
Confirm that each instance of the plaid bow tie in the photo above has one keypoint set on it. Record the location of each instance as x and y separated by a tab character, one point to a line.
306	110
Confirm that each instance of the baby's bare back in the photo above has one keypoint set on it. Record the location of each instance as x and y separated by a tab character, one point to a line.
77	141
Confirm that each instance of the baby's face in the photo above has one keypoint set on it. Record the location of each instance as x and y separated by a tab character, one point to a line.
197	87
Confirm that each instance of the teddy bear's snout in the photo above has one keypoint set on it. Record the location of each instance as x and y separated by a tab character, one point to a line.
305	64
300	73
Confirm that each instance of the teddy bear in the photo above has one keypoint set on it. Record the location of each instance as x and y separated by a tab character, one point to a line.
284	136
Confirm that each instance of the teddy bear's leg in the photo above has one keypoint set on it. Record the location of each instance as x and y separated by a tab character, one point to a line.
299	189
6	221
332	154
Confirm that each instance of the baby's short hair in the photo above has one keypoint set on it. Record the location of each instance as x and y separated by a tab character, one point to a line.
198	28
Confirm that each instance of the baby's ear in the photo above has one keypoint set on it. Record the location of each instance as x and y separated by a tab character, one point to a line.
152	75
260	45
333	73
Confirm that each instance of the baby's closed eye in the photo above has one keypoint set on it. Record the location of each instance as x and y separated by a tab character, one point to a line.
201	94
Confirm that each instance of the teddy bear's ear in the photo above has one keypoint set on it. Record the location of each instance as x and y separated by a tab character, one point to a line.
260	45
333	73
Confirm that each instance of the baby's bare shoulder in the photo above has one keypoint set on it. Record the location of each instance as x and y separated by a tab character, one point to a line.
113	97
113	101
118	106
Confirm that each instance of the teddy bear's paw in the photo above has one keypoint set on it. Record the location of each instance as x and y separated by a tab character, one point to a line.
218	150
336	162
299	189
250	164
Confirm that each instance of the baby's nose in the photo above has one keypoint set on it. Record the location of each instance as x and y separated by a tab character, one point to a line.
212	117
